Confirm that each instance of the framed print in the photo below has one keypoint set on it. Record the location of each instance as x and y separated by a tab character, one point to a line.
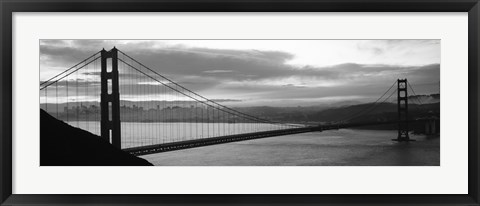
156	114
263	102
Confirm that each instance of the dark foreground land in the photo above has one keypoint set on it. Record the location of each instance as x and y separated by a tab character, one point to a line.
64	145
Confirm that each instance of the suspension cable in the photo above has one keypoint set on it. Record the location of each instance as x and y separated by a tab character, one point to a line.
238	112
68	69
203	102
372	105
411	88
53	82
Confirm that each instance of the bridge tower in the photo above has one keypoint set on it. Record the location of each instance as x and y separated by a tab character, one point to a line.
110	98
402	105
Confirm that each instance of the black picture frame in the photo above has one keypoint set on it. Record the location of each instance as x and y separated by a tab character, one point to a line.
7	7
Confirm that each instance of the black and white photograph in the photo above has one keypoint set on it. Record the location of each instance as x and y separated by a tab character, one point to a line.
240	102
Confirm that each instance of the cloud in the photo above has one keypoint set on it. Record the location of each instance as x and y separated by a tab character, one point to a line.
247	74
218	71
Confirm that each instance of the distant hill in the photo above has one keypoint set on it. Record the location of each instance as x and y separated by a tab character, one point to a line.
424	99
150	111
369	112
145	104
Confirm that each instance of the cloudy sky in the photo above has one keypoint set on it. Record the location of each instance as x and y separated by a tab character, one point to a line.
270	72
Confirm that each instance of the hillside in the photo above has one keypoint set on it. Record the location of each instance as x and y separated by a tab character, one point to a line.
64	145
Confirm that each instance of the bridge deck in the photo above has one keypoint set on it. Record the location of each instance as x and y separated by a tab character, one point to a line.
143	150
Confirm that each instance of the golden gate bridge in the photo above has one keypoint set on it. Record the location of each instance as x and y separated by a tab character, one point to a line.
141	111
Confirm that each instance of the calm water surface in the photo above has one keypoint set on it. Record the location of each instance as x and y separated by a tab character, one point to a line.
345	147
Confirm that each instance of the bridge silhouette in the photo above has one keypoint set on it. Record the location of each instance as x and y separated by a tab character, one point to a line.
141	111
